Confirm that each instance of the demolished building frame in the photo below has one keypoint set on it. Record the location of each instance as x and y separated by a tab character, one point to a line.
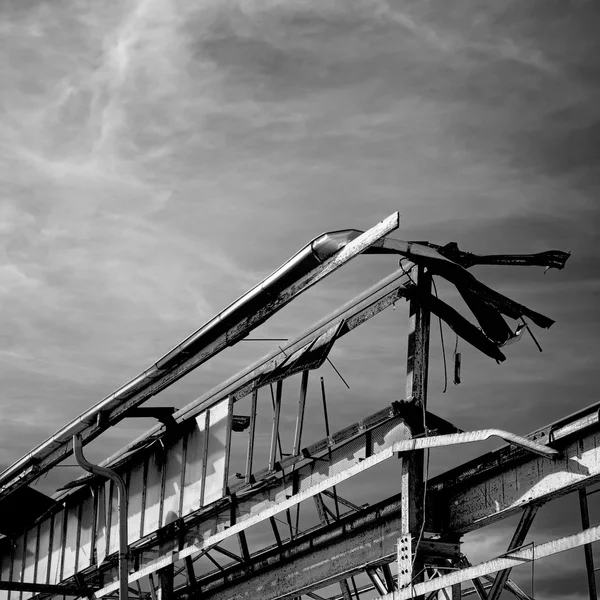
183	504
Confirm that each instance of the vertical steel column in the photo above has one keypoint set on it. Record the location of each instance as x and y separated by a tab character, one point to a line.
165	582
275	430
300	417
122	504
417	367
251	435
589	555
204	457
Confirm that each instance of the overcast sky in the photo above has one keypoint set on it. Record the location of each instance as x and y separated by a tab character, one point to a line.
160	157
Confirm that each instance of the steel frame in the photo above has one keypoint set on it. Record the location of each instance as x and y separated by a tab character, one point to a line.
419	530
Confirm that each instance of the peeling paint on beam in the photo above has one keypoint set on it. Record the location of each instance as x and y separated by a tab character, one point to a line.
477	501
507	561
353	314
55	449
279	504
345	550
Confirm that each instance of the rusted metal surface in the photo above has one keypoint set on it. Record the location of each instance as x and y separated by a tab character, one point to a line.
473	498
324	555
348	317
517	541
589	554
182	504
413	474
42	588
235	322
317	559
311	478
507	561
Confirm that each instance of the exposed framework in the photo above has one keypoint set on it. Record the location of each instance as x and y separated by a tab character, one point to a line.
184	507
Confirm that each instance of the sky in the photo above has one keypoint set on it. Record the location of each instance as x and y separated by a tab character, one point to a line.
160	157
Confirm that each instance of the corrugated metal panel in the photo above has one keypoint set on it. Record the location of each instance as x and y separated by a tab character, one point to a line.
57	548
85	553
5	565
41	574
17	568
135	487
29	559
215	460
172	488
70	545
194	458
153	492
113	525
101	520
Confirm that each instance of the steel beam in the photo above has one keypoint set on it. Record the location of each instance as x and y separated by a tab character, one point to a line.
43	588
505	481
517	541
332	551
507	561
413	478
165	583
110	410
352	314
589	555
316	559
275	504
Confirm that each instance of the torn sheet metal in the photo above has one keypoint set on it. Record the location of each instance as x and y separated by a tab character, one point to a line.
487	305
310	356
552	259
461	326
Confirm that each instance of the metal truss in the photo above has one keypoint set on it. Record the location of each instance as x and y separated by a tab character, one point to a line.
194	526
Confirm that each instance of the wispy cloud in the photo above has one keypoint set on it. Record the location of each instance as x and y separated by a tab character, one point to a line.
159	157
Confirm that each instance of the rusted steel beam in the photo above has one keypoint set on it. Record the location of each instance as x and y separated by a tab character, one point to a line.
325	555
272	500
517	541
413	466
165	583
377	581
251	436
246	314
502	482
350	316
275	427
274	504
300	415
44	588
507	561
589	554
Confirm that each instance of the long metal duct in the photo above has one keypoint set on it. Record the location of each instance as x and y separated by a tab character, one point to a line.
254	302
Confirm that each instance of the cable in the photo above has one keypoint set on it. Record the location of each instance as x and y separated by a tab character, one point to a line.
443	345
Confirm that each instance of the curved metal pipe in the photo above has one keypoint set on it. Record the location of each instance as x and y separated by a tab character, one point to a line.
122	506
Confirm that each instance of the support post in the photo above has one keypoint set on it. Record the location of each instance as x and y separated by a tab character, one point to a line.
165	583
275	429
251	434
587	548
300	417
413	479
516	542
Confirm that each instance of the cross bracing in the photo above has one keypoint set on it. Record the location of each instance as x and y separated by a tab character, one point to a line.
192	522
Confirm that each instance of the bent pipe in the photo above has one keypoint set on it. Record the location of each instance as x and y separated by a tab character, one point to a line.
122	509
468	437
302	263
